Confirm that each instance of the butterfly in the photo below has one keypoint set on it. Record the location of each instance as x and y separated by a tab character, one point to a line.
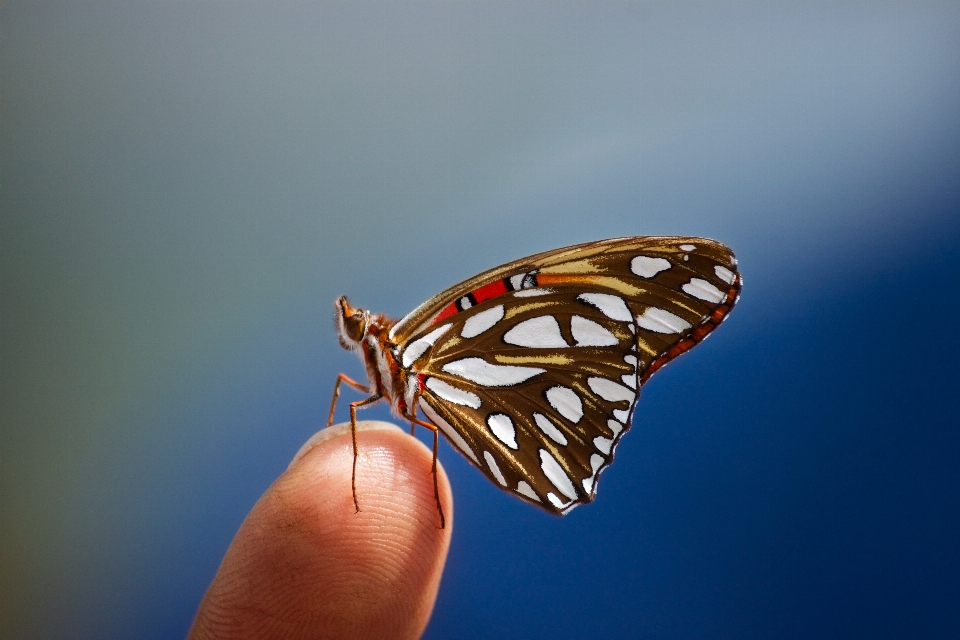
532	369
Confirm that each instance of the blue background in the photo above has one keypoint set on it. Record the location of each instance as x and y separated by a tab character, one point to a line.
186	188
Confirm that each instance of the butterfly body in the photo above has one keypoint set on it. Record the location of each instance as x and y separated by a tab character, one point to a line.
532	370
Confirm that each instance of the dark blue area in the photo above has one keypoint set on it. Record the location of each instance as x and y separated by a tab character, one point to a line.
794	477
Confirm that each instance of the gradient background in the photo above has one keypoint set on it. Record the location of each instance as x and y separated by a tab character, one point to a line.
186	188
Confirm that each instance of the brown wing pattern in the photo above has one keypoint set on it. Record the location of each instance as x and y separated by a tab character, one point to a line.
537	386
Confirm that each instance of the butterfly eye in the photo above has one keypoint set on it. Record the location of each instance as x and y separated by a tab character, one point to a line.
351	324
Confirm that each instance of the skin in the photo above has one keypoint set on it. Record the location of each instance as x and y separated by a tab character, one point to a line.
304	564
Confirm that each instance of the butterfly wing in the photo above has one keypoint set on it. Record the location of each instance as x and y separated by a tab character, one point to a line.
533	369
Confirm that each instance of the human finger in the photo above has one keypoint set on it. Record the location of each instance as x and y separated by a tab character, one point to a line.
306	564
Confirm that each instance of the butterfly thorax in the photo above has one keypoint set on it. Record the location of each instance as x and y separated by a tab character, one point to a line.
368	333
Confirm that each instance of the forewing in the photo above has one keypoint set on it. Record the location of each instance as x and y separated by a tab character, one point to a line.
537	385
591	255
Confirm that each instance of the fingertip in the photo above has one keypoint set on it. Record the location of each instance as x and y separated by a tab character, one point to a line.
394	475
310	557
337	430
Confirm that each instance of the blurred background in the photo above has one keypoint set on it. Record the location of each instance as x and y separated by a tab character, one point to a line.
186	187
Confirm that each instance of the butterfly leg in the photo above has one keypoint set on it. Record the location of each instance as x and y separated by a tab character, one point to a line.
336	393
436	441
353	432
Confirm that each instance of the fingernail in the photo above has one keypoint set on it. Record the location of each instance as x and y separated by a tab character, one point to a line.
339	429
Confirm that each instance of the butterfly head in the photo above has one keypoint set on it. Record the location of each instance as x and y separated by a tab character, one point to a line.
351	324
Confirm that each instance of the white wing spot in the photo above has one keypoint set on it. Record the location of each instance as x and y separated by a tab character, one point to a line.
541	332
525	489
455	438
630	359
419	346
483	373
630	379
556	475
588	485
550	429
703	290
602	444
588	333
566	402
688	247
611	306
596	461
622	415
610	391
647	267
452	394
530	293
615	427
502	426
724	274
555	501
479	323
494	469
570	506
661	321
